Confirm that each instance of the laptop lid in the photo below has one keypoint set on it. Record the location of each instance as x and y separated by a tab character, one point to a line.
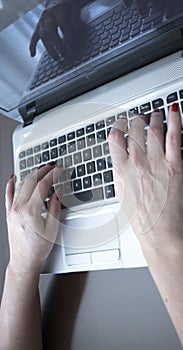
20	39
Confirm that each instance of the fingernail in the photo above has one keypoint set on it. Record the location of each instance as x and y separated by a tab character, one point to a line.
39	167
52	163
175	107
156	110
12	175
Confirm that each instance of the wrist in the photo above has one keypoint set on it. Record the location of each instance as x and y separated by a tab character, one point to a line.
19	274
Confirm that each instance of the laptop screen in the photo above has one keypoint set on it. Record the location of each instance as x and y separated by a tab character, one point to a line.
61	30
18	22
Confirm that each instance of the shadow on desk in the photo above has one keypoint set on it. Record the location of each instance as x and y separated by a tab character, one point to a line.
60	310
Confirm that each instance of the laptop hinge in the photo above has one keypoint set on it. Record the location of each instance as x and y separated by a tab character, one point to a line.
30	115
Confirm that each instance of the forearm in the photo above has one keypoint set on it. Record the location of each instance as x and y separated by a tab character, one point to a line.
167	272
20	314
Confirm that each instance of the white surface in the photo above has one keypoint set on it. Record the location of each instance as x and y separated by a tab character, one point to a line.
157	80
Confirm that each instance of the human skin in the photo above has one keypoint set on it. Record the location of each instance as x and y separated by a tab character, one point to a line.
30	239
149	179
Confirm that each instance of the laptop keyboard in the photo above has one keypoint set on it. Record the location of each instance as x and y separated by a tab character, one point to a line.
110	30
87	174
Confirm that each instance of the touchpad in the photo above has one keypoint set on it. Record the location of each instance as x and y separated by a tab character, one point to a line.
90	233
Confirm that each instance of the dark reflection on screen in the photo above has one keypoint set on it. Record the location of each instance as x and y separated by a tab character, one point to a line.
66	35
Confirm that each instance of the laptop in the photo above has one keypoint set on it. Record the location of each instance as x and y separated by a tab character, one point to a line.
66	113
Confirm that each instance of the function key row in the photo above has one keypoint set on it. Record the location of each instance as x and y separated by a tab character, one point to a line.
89	129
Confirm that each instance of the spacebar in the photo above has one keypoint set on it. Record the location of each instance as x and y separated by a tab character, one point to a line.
79	198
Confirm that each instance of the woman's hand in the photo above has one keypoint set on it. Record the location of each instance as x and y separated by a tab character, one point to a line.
31	237
149	179
65	15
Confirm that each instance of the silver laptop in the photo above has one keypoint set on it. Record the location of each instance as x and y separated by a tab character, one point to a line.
94	233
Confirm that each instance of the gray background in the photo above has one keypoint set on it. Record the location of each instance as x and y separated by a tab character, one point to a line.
104	310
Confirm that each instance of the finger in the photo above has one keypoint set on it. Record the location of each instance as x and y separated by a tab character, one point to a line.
54	206
10	190
142	7
155	135
117	142
34	40
53	218
41	191
173	137
47	37
136	141
25	189
128	2
58	44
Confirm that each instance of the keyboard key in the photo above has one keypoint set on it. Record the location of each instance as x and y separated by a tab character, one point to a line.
53	142
21	154
172	97
71	173
77	185
68	161
67	187
81	143
110	120
80	132
109	191
146	107
108	176
87	154
101	164
122	115
135	31
104	48
97	151
97	179
72	147
46	156
54	153
114	42
61	139
133	112
81	170
62	150
157	103
100	125
71	136
37	159
45	145
89	128
87	182
106	148
37	149
60	162
90	140
63	176
22	164
101	136
29	152
90	167
77	158
30	162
